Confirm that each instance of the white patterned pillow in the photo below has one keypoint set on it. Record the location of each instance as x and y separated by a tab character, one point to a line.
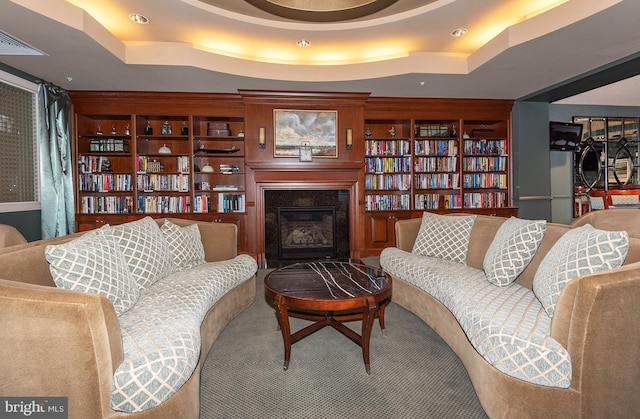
624	199
145	250
94	264
185	244
444	236
512	248
580	251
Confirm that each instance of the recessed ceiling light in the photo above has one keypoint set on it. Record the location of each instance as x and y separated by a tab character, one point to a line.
138	18
303	43
459	32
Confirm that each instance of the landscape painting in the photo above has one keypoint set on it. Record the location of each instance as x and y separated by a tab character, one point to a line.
296	127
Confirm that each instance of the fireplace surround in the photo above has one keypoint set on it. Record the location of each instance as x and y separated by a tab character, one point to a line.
305	225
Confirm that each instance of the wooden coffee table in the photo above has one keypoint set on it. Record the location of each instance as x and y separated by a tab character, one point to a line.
328	293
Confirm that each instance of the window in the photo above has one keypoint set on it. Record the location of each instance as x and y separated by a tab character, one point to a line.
19	190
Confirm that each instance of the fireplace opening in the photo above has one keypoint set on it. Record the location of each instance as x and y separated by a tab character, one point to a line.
307	233
309	212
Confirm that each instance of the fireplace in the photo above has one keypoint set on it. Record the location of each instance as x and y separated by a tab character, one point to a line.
307	233
303	225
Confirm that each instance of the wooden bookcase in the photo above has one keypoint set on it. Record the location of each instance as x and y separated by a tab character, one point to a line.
135	165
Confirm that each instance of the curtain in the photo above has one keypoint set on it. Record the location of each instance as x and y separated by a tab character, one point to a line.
57	215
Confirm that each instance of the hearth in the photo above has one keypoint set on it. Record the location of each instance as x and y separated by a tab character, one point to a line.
307	233
303	225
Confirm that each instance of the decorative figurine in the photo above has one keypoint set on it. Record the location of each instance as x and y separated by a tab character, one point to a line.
240	133
99	129
164	150
465	135
392	131
148	130
367	132
166	128
127	129
185	129
113	129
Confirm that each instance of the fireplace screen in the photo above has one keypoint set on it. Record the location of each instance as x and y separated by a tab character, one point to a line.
307	233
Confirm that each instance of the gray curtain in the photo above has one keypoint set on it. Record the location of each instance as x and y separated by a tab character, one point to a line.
56	163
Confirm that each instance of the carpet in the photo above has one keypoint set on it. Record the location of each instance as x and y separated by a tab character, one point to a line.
414	374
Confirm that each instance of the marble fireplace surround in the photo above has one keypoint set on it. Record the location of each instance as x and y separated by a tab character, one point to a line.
307	183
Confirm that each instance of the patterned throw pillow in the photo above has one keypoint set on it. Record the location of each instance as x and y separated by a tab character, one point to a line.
581	251
512	248
444	236
94	264
185	244
145	250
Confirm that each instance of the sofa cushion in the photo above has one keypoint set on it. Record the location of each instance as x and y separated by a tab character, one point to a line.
145	250
507	326
93	263
580	251
512	248
161	333
185	244
444	236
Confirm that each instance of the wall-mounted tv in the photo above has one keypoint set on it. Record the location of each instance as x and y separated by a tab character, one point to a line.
564	136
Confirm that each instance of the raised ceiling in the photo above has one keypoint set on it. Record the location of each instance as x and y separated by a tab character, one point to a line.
513	48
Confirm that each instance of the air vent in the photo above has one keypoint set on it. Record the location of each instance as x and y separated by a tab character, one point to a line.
10	45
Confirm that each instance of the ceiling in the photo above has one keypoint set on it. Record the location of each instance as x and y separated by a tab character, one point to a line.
514	49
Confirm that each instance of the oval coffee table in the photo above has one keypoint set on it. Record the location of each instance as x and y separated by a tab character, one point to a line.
328	293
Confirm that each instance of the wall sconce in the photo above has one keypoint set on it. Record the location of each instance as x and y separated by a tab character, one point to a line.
262	138
349	139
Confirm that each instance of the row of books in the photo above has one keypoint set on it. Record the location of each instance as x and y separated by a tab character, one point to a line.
104	182
231	202
491	147
485	180
436	164
437	181
228	169
157	182
387	147
151	164
485	200
387	164
112	145
436	147
436	201
201	204
485	164
387	202
398	182
93	164
106	204
163	204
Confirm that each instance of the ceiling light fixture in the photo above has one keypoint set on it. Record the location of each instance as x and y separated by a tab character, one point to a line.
138	18
459	32
303	43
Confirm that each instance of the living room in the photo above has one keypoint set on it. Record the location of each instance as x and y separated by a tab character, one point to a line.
223	108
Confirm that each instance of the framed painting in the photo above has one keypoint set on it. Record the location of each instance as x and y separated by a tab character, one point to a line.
315	129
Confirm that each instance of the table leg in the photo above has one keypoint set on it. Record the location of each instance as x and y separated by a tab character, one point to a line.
367	323
285	328
381	315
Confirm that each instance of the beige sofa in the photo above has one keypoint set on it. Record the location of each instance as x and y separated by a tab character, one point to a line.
56	342
597	320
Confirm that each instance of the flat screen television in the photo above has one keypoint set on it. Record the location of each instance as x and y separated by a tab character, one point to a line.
564	136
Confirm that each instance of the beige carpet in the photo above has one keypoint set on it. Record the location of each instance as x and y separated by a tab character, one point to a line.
414	374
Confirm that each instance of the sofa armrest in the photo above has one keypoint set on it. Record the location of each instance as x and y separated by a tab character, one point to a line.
597	320
58	342
220	240
407	232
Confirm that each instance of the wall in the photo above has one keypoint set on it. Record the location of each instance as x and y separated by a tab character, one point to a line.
531	177
27	223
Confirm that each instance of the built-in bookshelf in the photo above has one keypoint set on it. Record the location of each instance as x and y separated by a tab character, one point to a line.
388	160
218	156
159	164
443	164
485	164
436	169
